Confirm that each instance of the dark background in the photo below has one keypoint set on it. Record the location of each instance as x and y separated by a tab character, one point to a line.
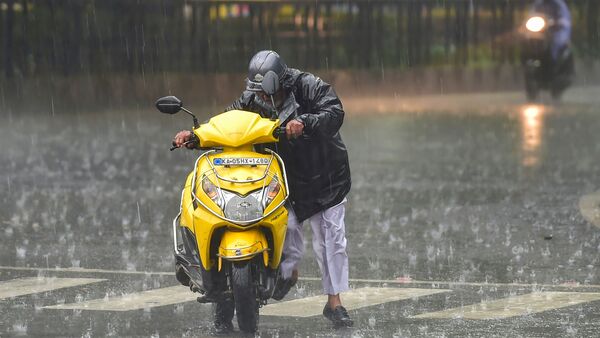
84	54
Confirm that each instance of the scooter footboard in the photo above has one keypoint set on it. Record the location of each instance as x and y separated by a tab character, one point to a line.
243	245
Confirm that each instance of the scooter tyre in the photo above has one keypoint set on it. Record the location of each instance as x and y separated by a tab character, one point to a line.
244	295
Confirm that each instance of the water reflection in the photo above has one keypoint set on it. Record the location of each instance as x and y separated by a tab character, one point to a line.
532	137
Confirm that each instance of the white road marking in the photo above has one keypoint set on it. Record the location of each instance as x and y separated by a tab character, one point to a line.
134	301
403	281
25	286
354	299
306	307
515	306
82	270
589	205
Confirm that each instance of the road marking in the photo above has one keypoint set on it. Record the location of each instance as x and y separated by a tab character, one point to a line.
82	270
589	205
134	301
515	306
401	280
25	286
354	299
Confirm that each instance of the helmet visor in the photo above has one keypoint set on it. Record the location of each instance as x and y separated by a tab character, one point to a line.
253	86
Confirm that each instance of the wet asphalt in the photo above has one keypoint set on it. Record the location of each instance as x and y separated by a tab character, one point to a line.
487	193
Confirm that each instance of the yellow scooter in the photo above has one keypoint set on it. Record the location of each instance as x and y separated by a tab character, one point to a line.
229	234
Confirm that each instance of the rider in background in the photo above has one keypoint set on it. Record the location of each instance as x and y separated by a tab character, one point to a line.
557	11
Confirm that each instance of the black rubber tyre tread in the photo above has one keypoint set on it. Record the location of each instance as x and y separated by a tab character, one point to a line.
244	295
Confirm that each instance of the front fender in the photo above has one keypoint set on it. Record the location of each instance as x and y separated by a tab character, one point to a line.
243	245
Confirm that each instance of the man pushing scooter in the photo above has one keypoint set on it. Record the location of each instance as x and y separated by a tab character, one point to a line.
318	173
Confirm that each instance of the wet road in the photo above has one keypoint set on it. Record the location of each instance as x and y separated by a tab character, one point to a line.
487	203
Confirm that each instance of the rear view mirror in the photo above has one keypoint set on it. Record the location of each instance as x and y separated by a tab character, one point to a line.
270	83
169	105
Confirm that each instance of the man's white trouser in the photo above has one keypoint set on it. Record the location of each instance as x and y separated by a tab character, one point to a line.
329	244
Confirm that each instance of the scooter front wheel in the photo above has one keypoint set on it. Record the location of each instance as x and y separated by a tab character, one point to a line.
244	295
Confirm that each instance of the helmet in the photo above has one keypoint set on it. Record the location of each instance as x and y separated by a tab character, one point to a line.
261	63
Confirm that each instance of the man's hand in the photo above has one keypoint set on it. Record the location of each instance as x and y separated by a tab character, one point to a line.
294	129
182	137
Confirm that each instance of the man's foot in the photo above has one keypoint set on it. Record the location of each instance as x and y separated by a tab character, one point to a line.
283	286
223	327
339	316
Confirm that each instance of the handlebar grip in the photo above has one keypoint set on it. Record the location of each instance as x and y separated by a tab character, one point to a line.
174	146
279	131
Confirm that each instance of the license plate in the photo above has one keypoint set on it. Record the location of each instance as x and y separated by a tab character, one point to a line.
241	161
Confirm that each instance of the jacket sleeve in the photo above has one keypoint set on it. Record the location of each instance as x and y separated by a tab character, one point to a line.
326	113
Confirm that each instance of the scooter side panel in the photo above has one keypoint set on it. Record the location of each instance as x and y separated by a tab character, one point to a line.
277	223
187	208
201	222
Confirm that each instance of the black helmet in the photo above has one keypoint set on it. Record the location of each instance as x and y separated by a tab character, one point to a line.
261	63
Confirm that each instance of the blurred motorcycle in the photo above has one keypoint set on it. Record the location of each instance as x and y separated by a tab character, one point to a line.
542	71
229	234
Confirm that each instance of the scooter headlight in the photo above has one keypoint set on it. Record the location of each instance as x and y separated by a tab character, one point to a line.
243	209
238	208
535	24
271	191
212	191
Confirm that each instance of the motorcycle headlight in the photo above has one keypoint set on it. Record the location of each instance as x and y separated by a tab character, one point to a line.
212	191
242	208
271	191
535	24
247	208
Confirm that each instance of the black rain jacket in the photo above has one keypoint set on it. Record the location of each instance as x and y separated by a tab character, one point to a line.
317	164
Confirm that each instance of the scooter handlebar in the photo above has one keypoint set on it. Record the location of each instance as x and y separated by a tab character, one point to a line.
279	131
174	145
